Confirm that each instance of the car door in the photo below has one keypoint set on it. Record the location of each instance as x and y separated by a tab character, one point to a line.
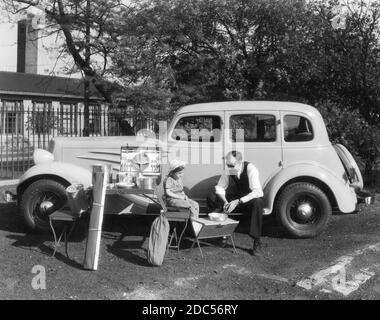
299	141
304	142
257	134
197	139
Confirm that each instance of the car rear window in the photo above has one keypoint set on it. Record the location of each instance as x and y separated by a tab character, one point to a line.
297	129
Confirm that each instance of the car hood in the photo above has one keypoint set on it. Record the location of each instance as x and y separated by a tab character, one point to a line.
85	151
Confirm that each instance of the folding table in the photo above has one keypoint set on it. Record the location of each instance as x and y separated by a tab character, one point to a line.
204	228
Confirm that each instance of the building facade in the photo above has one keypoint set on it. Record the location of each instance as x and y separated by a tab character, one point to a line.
35	107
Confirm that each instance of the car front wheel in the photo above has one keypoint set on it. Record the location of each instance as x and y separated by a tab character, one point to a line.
303	210
41	199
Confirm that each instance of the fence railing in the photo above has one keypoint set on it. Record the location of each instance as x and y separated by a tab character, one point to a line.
22	130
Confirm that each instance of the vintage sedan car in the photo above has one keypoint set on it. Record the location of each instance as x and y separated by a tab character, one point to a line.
304	176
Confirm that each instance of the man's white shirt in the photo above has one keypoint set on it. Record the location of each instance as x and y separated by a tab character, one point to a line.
254	183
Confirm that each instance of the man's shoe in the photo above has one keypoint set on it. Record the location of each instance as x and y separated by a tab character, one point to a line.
257	248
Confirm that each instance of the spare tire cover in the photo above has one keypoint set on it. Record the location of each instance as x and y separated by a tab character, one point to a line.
349	163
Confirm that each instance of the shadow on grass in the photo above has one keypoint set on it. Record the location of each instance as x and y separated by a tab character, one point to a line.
132	256
270	228
37	242
10	219
134	231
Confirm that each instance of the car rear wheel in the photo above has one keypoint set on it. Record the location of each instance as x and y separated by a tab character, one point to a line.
303	210
41	199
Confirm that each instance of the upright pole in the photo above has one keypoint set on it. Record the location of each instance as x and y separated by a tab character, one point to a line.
87	53
100	175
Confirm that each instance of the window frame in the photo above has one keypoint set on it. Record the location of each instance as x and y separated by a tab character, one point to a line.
17	113
95	119
46	110
68	115
230	136
285	114
219	116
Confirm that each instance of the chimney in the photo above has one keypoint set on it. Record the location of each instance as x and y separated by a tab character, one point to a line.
27	47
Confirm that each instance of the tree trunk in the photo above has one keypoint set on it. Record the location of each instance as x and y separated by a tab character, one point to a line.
86	111
86	127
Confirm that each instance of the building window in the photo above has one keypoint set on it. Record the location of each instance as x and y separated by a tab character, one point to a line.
253	128
42	118
68	119
12	117
95	120
297	129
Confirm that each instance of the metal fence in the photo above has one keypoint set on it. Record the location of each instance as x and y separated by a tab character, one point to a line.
24	129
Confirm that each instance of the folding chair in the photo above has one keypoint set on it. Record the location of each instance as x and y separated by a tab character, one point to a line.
68	219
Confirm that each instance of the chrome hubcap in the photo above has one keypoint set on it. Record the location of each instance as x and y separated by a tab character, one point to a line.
305	211
46	206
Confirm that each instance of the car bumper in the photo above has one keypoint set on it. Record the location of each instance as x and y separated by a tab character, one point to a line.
365	197
9	197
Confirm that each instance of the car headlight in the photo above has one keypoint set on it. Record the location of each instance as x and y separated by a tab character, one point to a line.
41	156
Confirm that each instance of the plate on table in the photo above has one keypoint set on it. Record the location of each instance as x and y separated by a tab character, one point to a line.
125	184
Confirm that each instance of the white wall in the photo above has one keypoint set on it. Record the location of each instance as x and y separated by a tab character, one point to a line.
48	61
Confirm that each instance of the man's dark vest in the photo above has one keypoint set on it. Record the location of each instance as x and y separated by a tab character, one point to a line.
242	184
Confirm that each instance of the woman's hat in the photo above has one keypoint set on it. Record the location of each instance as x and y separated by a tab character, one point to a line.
176	163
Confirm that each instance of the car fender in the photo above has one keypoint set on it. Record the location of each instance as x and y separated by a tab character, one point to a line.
344	195
69	172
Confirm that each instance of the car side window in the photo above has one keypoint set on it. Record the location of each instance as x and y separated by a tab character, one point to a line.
198	128
297	129
253	128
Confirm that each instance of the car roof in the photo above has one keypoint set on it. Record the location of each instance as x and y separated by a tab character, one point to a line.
249	105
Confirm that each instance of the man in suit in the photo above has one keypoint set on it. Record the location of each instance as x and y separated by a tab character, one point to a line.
240	190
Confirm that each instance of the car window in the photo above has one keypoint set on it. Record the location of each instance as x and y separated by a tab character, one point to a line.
198	128
253	128
297	128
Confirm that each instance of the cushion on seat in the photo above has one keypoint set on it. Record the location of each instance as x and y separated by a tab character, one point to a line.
175	209
64	215
180	215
